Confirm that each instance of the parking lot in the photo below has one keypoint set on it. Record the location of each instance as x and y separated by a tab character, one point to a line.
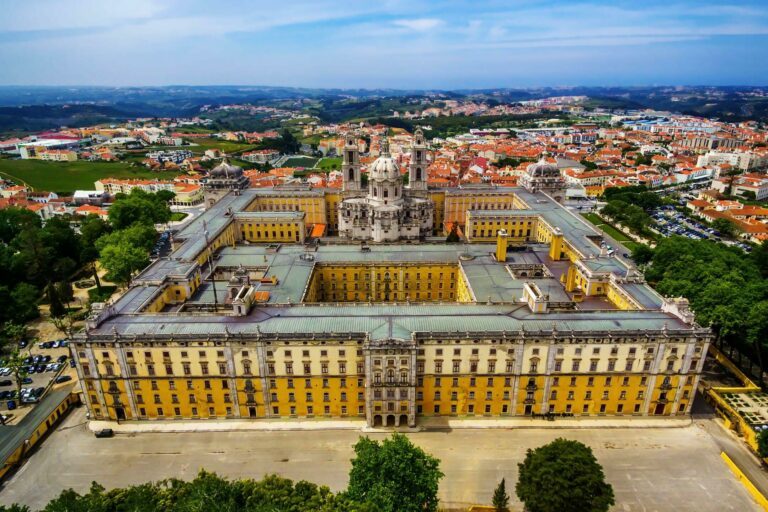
651	469
671	222
44	363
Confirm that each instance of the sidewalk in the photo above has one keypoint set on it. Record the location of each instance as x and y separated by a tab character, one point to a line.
268	425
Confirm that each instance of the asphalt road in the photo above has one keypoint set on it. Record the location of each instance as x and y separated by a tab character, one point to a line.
650	469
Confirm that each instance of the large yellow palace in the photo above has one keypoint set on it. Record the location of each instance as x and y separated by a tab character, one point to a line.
264	311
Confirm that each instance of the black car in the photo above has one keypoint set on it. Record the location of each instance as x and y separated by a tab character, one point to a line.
105	432
63	378
72	363
61	359
5	395
6	382
27	380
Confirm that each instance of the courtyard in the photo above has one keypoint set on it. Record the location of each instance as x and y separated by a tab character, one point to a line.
651	469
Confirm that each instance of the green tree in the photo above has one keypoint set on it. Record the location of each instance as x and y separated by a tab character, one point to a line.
25	298
453	236
726	227
500	497
65	292
12	334
563	476
18	368
15	220
394	475
138	207
642	254
55	304
14	508
34	255
762	443
121	260
759	257
139	235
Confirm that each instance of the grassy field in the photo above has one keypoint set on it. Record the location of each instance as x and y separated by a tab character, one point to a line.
328	164
202	144
610	230
300	161
63	177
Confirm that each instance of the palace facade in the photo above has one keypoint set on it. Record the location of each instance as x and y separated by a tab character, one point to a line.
293	302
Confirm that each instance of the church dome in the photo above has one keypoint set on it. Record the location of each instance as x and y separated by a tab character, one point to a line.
226	170
543	169
384	167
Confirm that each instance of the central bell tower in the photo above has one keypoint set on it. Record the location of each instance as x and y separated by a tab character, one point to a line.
417	170
350	166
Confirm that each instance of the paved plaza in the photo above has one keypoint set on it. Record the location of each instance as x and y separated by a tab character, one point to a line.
651	469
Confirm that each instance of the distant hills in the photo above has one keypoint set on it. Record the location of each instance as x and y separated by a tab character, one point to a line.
30	108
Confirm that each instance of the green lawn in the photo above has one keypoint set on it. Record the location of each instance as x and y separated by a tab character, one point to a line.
610	230
300	161
63	177
329	163
201	145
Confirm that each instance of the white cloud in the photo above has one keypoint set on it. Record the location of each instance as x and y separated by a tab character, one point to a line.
419	24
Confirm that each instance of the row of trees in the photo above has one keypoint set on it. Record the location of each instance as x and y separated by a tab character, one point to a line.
39	260
388	476
727	288
34	258
630	207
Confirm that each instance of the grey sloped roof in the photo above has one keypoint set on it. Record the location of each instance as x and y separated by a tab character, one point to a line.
388	321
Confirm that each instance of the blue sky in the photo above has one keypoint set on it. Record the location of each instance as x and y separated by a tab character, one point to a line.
384	43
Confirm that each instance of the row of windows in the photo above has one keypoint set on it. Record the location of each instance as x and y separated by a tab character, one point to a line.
309	397
393	285
282	235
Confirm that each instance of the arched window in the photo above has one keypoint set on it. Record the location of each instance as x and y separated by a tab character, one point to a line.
351	174
374	191
386	192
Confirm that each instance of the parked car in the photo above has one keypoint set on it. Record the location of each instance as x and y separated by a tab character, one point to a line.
5	395
11	405
72	363
26	380
63	378
6	382
105	432
62	358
